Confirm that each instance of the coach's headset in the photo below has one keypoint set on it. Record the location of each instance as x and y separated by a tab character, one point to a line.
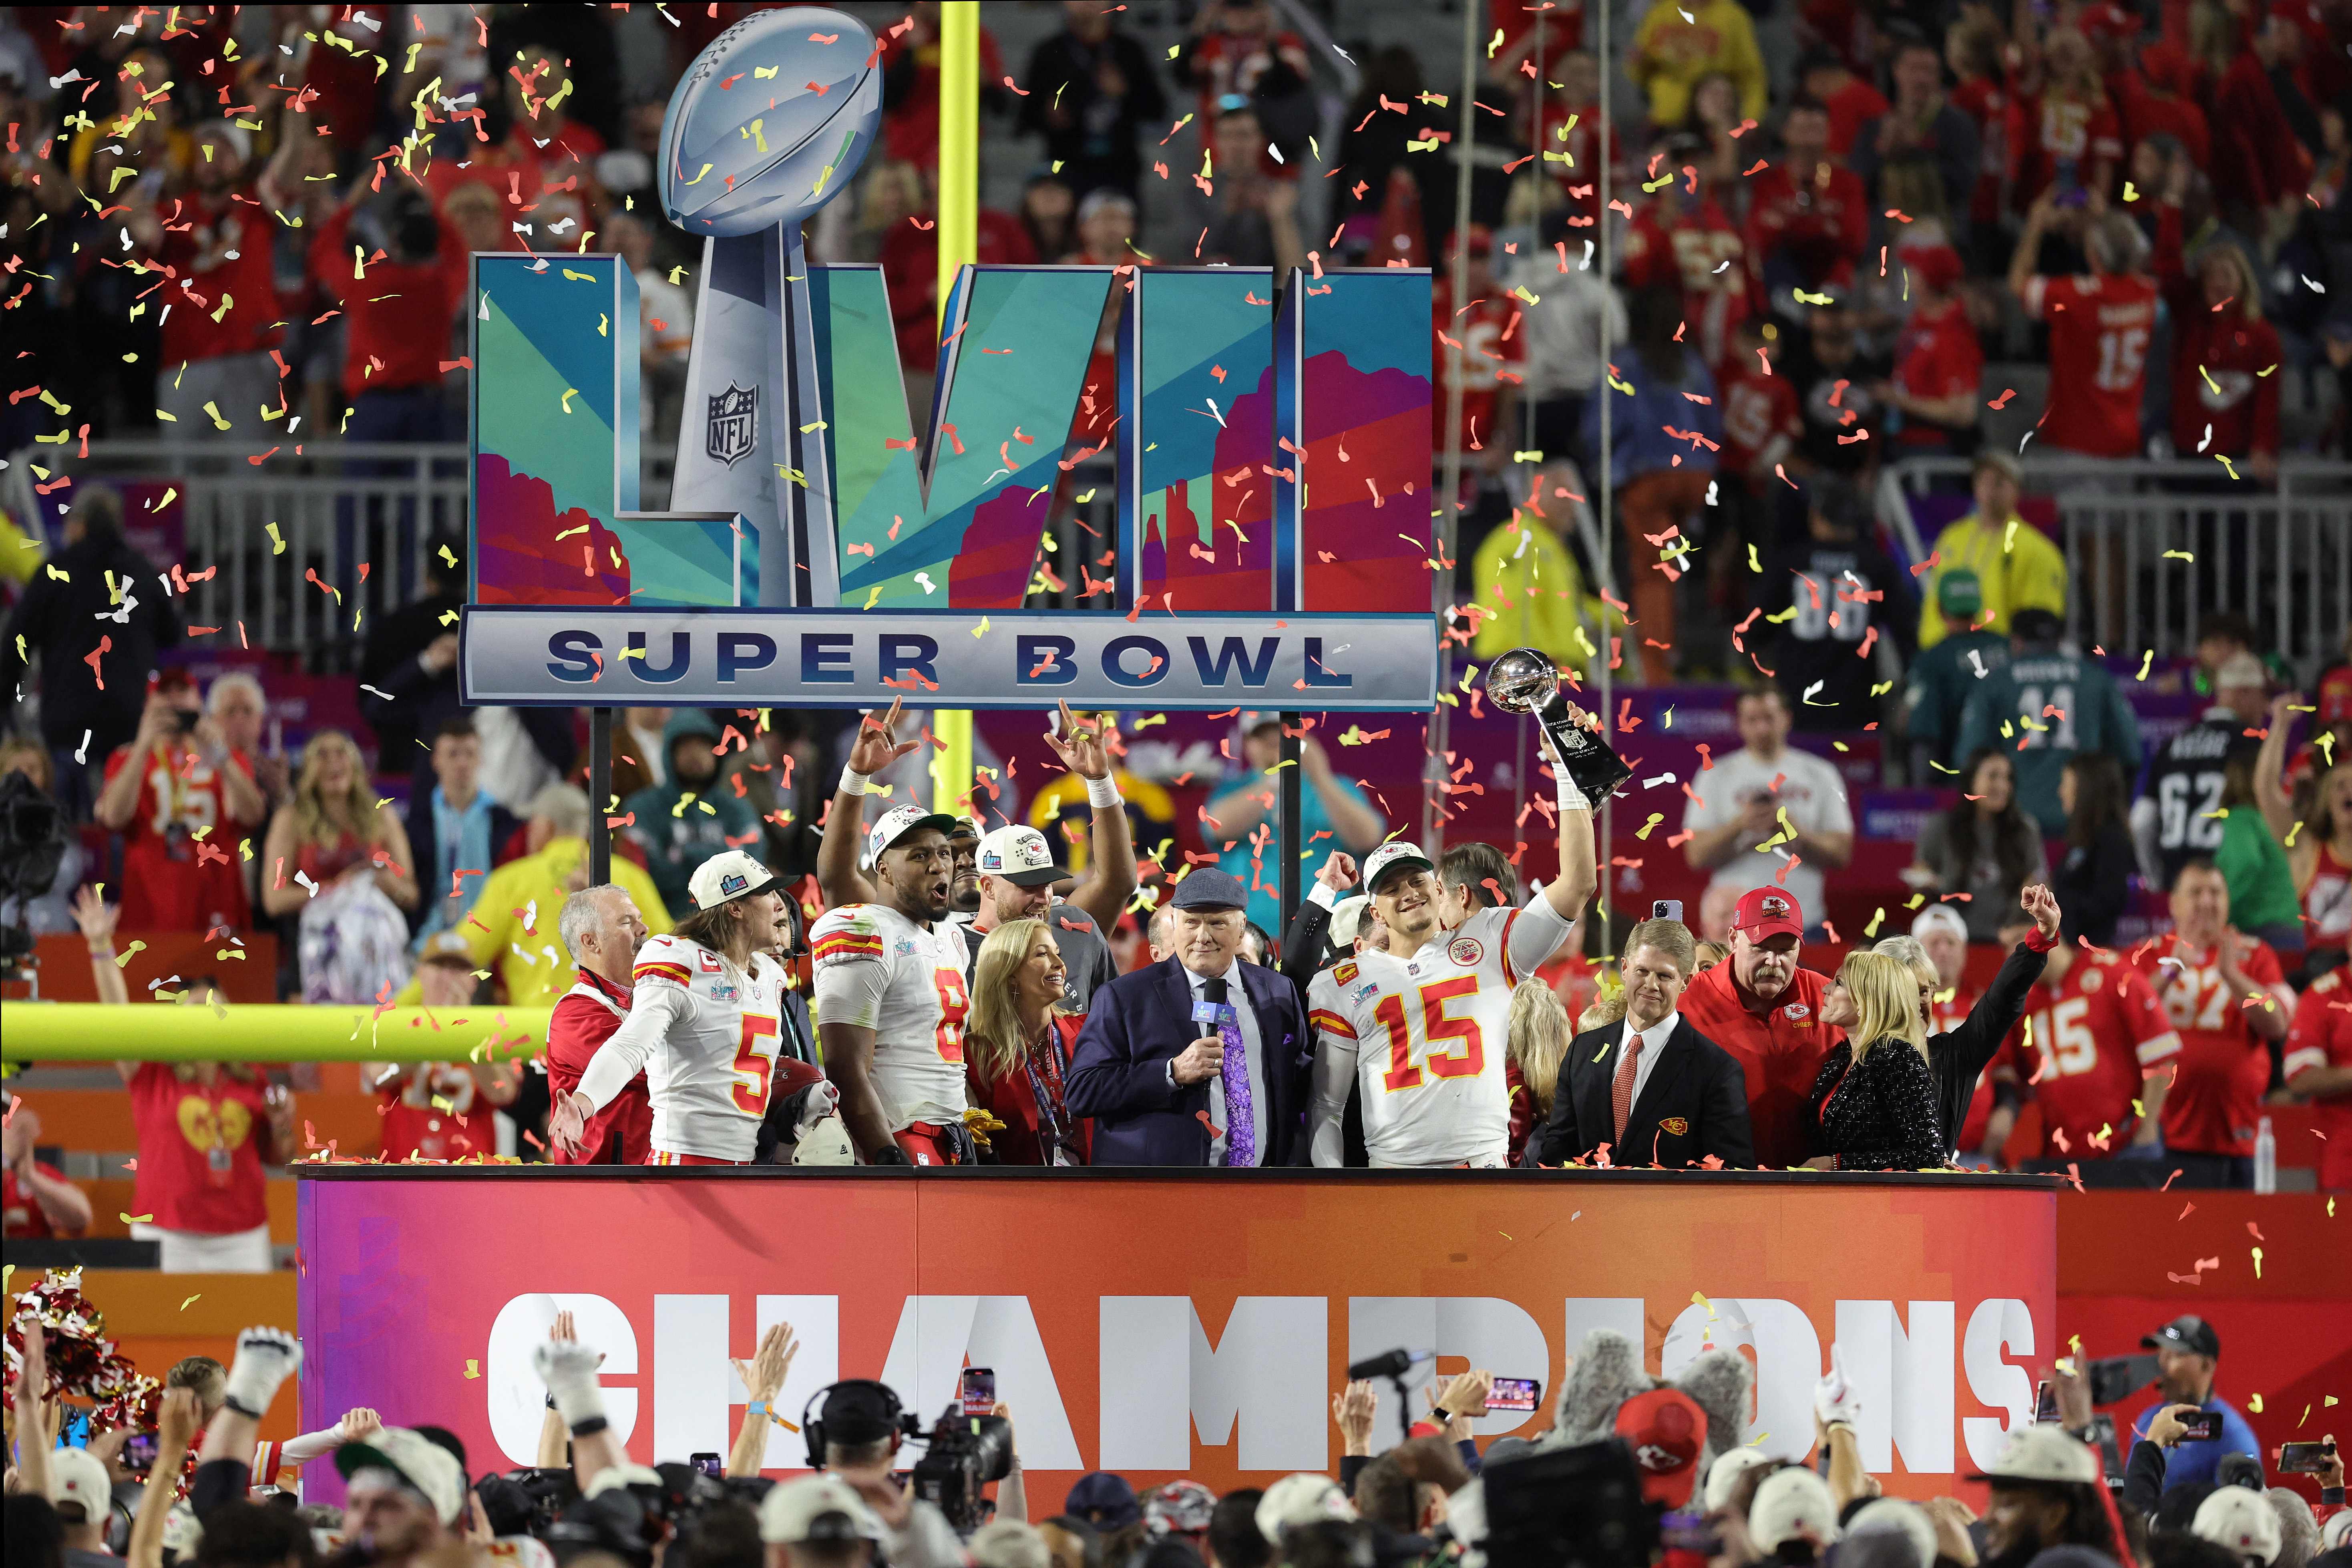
896	1420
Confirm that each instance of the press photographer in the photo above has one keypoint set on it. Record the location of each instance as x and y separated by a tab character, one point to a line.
854	1430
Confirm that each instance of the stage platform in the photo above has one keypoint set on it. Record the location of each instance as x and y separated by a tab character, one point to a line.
1163	1322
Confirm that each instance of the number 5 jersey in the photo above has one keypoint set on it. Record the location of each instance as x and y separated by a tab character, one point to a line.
705	1033
877	970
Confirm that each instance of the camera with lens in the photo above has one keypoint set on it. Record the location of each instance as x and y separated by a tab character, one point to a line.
966	1453
963	1453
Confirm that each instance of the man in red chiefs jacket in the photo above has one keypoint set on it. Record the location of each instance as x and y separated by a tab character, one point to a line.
1767	1013
602	929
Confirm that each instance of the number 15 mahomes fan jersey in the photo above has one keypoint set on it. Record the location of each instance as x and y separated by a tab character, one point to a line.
1423	1038
877	970
705	1033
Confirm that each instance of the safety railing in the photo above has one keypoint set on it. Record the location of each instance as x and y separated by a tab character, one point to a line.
309	546
2152	548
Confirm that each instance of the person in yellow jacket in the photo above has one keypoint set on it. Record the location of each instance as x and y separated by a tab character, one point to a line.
1530	592
512	926
1677	44
2018	567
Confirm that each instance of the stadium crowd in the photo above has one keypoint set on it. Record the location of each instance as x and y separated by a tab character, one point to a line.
1819	236
1627	1470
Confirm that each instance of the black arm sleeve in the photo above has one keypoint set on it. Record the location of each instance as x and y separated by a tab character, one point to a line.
2143	1479
218	1481
1303	943
1350	1467
1996	1012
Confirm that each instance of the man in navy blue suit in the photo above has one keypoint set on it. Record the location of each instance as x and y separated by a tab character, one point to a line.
1199	1059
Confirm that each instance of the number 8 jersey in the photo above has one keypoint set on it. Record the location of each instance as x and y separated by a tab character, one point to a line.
877	970
705	1032
1423	1040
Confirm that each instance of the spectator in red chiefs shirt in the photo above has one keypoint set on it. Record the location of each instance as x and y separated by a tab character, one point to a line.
2319	1068
2097	1044
2228	996
38	1202
2225	357
2061	129
1973	50
1766	1011
2099	327
444	1110
1482	324
211	238
1921	157
1808	218
180	797
602	929
1938	360
1682	238
401	281
2259	165
1849	101
206	1130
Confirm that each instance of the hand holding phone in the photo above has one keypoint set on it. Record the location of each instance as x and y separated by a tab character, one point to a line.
2307	1458
976	1395
1514	1393
708	1463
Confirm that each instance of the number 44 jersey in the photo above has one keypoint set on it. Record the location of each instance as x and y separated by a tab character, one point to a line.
1422	1040
877	970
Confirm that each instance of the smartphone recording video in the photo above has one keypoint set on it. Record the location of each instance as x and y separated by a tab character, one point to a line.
977	1394
1513	1393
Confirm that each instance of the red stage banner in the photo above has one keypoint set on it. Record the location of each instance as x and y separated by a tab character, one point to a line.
1163	1324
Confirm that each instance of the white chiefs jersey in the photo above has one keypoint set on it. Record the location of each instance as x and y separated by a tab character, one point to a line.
877	970
705	1033
1421	1041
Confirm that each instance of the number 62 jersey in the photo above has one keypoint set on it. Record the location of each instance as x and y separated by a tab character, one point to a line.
877	970
1421	1039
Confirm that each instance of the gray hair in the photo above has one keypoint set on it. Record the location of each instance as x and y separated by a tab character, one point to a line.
580	916
2115	243
2298	1527
234	681
564	807
1160	930
1910	950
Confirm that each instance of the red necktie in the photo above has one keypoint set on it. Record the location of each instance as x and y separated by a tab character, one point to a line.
1621	1092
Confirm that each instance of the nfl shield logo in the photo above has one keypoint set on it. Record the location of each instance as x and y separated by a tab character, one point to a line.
734	426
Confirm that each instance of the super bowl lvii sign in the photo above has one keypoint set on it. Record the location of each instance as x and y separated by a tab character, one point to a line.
1273	538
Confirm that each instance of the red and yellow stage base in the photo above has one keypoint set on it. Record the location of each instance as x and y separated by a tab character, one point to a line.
1165	1324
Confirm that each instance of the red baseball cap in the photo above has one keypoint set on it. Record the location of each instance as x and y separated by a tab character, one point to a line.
173	679
1767	912
1666	1429
2105	18
1937	266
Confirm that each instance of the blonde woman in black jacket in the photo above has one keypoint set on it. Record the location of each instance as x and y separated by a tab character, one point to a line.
1873	1105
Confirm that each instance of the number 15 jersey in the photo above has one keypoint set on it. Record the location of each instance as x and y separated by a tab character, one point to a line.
877	970
1421	1039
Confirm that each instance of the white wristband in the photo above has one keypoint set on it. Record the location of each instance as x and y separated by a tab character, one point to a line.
1102	792
852	782
1570	797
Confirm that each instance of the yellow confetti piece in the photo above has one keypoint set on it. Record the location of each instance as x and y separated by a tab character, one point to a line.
473	1368
137	1218
2254	1402
698	173
1698	1299
200	1296
276	540
2182	554
603	325
568	393
2146	659
218	423
763	73
981	629
2257	1260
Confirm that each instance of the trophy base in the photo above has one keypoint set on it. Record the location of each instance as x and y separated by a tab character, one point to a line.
1589	761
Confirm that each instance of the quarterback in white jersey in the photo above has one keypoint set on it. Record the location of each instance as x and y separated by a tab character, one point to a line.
1420	1030
890	999
702	1025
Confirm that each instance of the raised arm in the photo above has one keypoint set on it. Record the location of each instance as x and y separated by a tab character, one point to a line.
2270	770
34	1438
763	1377
2029	248
876	748
266	1358
655	1006
568	1368
1083	746
97	917
1568	892
175	1428
1980	1035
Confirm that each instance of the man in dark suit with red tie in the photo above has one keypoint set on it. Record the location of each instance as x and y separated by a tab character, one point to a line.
1649	1090
1200	1059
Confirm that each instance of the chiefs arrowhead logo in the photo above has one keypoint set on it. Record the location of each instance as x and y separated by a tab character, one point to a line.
1774	906
1675	1125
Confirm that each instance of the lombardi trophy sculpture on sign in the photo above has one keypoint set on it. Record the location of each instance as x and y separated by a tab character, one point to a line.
771	122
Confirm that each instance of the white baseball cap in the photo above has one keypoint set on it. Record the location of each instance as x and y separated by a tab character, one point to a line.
728	874
1944	915
899	821
1725	1473
1388	857
1792	1504
1347	919
1300	1500
425	1466
815	1508
1020	856
1893	1516
2044	1454
2241	1521
78	1476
